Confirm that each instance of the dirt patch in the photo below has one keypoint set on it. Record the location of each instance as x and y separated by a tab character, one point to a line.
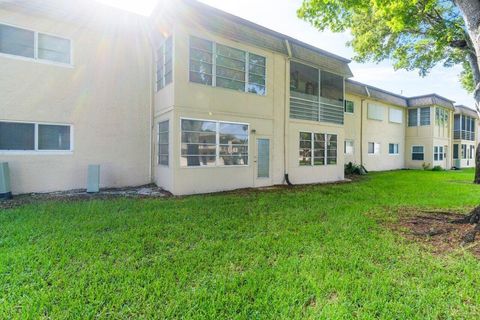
436	230
142	192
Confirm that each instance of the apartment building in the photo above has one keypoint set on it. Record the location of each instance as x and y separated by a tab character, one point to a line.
195	100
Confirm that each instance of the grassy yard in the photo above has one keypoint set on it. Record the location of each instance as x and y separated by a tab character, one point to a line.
307	252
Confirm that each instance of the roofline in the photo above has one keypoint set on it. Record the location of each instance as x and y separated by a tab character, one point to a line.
378	89
432	95
265	30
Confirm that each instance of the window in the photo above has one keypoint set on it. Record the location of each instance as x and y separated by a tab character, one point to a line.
373	148
218	65
425	116
213	143
412	117
418	116
395	115
349	147
464	151
316	95
464	127
472	152
438	153
418	153
324	148
34	45
441	117
165	64
19	136
16	41
53	48
163	150
393	148
349	106
455	151
375	112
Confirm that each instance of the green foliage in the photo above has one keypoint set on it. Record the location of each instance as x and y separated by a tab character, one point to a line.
414	34
308	252
354	169
438	168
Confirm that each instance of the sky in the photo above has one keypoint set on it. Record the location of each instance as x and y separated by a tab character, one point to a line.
280	15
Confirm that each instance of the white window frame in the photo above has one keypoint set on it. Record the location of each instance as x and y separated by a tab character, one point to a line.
373	110
376	148
158	142
345	104
395	111
214	66
345	147
36	151
423	152
164	53
397	153
35	48
217	144
312	158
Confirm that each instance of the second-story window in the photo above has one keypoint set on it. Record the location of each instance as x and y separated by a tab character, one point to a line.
165	64
34	45
226	67
419	116
441	117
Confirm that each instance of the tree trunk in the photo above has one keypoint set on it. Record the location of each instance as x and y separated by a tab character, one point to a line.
470	10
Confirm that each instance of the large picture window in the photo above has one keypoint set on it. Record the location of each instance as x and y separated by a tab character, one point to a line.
315	94
35	45
213	143
19	136
222	66
165	64
163	143
317	149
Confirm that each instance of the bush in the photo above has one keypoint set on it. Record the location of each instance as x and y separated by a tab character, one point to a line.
354	169
426	166
437	168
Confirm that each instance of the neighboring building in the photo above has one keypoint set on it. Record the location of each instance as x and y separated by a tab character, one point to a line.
195	100
465	132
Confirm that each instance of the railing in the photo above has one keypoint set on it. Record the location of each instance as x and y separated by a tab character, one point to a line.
303	107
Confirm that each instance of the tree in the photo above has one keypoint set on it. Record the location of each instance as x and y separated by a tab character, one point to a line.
414	34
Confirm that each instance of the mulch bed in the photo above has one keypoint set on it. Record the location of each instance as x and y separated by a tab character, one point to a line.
436	230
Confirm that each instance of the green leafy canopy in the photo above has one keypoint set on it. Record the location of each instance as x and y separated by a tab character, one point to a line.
413	34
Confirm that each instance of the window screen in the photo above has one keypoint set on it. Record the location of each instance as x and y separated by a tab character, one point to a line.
53	137
17	136
53	48
16	41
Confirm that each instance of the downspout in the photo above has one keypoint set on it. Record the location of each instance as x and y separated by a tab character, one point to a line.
286	113
152	102
361	125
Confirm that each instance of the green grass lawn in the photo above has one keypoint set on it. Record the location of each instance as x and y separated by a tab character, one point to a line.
307	252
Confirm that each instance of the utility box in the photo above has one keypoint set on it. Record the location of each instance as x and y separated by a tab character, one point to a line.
5	187
458	163
93	179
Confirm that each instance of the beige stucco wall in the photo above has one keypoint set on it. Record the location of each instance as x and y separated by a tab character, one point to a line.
106	96
382	132
264	114
429	137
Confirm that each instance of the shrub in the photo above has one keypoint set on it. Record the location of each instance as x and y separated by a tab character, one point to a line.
426	166
437	168
352	169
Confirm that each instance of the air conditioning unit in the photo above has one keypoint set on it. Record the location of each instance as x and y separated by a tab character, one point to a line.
5	187
93	178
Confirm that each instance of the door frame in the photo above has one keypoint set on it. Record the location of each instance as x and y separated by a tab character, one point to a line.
262	182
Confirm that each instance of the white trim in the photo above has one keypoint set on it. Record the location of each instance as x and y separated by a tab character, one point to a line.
217	144
398	149
35	48
411	153
214	66
36	150
312	148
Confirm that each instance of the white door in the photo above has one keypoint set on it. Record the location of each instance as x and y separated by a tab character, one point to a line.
262	163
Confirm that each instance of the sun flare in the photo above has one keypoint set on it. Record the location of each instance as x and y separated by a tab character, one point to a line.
143	7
